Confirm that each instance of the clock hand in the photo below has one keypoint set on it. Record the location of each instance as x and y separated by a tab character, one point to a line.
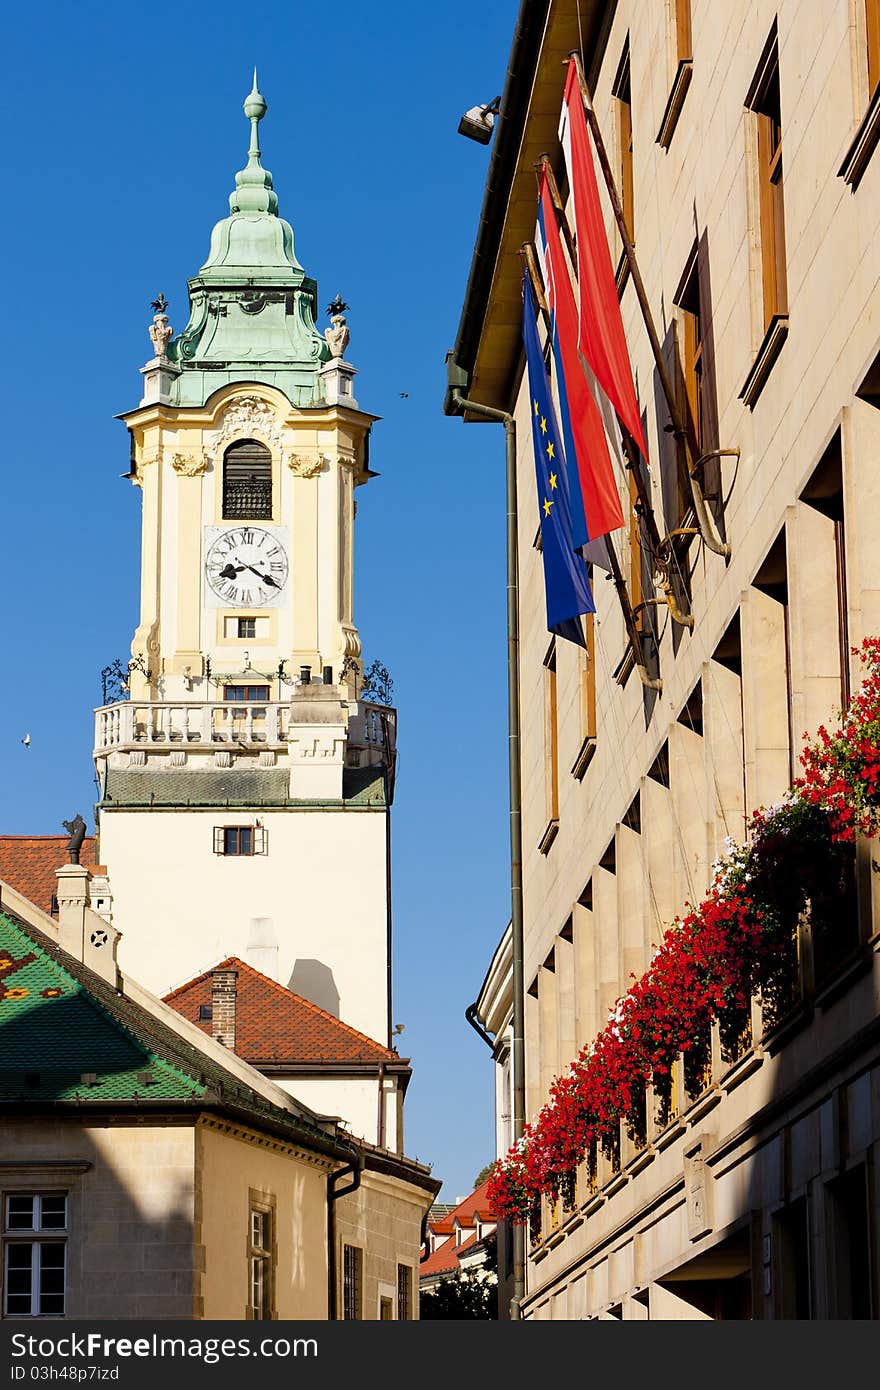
266	578
231	571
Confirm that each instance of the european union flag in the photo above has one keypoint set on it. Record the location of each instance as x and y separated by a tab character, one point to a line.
566	584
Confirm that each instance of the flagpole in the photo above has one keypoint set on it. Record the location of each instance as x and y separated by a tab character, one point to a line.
683	427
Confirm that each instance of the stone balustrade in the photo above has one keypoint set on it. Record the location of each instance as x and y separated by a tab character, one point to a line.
158	724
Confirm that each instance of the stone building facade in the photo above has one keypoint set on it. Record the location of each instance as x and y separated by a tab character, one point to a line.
742	141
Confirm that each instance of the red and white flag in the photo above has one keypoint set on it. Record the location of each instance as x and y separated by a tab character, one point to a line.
601	338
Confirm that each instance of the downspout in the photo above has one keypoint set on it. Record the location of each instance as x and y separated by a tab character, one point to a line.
470	1014
516	893
352	1170
380	1126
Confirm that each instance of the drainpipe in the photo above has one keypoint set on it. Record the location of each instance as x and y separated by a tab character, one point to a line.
352	1170
516	895
470	1014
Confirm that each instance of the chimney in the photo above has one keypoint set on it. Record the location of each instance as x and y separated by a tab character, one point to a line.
223	997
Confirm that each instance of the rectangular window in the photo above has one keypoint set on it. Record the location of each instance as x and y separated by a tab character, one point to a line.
234	839
242	694
551	749
261	1262
764	100
849	1249
587	661
683	41
352	1283
623	103
386	1310
35	1255
688	303
792	1241
404	1295
247	627
681	51
872	22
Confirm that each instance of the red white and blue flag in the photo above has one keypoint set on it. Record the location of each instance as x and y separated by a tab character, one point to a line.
593	489
601	339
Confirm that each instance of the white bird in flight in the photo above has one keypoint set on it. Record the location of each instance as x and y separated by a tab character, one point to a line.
27	740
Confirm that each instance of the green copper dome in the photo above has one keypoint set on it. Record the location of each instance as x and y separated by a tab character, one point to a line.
252	307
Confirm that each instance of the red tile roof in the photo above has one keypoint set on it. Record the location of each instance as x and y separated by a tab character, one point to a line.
28	864
274	1025
465	1215
445	1259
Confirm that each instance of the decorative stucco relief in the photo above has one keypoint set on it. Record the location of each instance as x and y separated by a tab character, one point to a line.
307	465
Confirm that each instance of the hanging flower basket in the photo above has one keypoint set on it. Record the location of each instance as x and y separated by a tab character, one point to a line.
741	939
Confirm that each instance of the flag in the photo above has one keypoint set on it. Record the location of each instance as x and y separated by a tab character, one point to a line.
595	498
601	338
566	583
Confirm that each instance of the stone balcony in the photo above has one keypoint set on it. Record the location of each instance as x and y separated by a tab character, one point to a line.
156	727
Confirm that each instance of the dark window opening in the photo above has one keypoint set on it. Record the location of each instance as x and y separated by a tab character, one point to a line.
237	839
247	627
692	714
792	1235
659	769
850	1248
206	1013
824	491
245	693
247	481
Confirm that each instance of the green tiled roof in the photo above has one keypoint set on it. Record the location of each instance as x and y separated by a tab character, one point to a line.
245	787
59	1022
52	1031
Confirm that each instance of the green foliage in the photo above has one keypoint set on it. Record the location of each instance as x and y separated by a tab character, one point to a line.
483	1173
467	1295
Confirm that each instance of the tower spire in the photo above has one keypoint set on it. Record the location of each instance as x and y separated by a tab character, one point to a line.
253	184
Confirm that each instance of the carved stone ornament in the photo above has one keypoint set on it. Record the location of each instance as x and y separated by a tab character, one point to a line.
338	335
189	465
250	415
161	333
307	465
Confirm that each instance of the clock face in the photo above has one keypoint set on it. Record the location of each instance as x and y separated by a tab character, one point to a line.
245	566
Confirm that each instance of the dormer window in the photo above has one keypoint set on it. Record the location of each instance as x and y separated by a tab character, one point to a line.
247	482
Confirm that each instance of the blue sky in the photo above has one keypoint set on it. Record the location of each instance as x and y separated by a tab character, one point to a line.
125	129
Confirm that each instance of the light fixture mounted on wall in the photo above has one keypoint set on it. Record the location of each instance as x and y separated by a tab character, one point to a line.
479	122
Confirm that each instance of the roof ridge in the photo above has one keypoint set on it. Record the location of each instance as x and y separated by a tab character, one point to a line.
237	962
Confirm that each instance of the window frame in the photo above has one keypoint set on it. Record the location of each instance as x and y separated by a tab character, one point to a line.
352	1283
223	838
621	91
35	1238
551	747
764	101
263	482
262	1256
404	1293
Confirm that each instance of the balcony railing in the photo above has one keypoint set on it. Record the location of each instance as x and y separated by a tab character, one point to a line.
163	724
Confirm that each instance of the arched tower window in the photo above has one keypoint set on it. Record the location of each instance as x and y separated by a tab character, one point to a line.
247	481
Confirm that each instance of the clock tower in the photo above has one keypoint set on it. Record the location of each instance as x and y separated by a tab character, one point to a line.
244	785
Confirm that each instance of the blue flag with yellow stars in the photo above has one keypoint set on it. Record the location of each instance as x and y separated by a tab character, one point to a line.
566	583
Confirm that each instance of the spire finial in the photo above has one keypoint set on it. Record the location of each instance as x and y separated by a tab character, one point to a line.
253	184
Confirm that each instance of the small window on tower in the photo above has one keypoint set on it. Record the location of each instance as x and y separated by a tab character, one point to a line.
247	481
247	627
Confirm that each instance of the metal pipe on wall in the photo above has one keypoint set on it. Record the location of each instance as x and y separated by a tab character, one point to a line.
515	774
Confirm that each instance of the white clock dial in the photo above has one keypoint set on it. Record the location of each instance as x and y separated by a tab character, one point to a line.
246	566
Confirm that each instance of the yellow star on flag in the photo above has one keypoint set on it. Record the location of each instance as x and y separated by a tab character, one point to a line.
550	448
547	506
535	403
543	425
553	480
